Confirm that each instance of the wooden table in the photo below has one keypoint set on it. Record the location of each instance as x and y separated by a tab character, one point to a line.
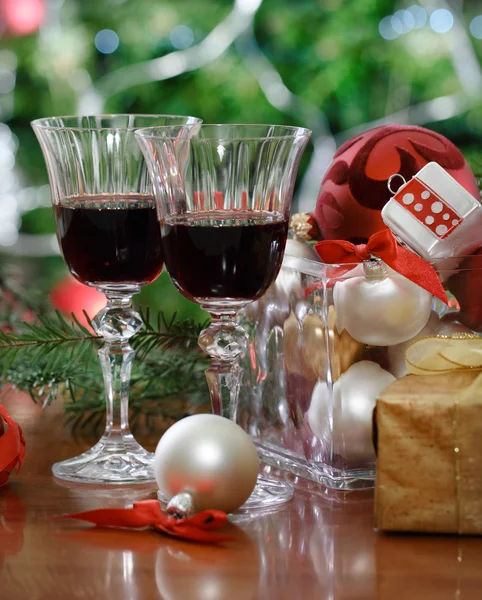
319	547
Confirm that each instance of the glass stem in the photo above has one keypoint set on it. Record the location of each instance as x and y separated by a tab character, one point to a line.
224	340
116	361
117	323
224	380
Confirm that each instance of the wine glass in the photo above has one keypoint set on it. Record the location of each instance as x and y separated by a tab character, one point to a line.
108	232
224	198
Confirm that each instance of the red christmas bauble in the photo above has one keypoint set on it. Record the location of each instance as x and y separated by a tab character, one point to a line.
70	296
22	17
354	189
466	286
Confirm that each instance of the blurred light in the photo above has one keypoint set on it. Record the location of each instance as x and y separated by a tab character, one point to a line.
181	37
7	158
408	20
5	134
8	181
441	20
403	21
476	27
8	233
7	80
419	15
106	41
275	90
80	80
248	6
386	30
24	16
8	206
397	23
91	102
8	59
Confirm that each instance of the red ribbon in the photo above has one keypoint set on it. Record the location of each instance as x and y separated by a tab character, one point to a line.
148	513
12	447
383	245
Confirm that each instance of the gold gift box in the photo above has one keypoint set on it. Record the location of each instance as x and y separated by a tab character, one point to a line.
429	438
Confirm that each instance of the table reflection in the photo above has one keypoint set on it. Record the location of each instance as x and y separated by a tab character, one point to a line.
230	571
12	524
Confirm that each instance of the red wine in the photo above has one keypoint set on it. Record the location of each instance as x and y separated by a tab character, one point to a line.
110	239
211	254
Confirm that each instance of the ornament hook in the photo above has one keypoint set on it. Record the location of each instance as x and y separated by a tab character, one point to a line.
181	506
391	178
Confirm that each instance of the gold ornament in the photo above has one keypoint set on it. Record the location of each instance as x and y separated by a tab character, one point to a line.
342	348
294	355
305	347
302	225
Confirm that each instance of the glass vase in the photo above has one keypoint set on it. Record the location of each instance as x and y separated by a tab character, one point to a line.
312	375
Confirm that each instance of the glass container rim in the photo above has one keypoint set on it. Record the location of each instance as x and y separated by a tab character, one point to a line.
41	122
319	268
296	132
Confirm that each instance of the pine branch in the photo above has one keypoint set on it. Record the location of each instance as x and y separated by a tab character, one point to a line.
165	335
53	354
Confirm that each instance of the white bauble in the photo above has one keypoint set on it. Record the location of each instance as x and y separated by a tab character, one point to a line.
301	249
209	457
381	308
435	326
354	397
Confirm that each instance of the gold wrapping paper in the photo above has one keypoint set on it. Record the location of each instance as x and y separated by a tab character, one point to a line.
429	467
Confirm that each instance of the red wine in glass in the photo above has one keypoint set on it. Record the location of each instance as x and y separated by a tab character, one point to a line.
110	239
224	254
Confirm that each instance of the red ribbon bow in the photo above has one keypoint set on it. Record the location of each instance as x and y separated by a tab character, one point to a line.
383	245
148	513
12	447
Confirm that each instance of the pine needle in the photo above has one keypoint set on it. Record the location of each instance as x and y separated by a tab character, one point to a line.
53	354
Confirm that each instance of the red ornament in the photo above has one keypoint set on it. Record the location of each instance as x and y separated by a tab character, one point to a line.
22	17
12	446
13	518
466	286
70	296
354	189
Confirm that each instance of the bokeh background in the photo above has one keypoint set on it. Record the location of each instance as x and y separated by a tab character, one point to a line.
336	66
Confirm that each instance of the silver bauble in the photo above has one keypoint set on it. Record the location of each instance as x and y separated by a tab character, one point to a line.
209	457
345	417
381	308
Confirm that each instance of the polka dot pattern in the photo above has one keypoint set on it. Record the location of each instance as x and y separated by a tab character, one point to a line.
427	207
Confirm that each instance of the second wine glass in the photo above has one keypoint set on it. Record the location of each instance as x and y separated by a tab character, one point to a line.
224	199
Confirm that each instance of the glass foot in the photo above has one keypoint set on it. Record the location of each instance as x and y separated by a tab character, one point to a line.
111	462
269	493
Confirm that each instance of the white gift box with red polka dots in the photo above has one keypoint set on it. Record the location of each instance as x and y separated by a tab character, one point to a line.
434	215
